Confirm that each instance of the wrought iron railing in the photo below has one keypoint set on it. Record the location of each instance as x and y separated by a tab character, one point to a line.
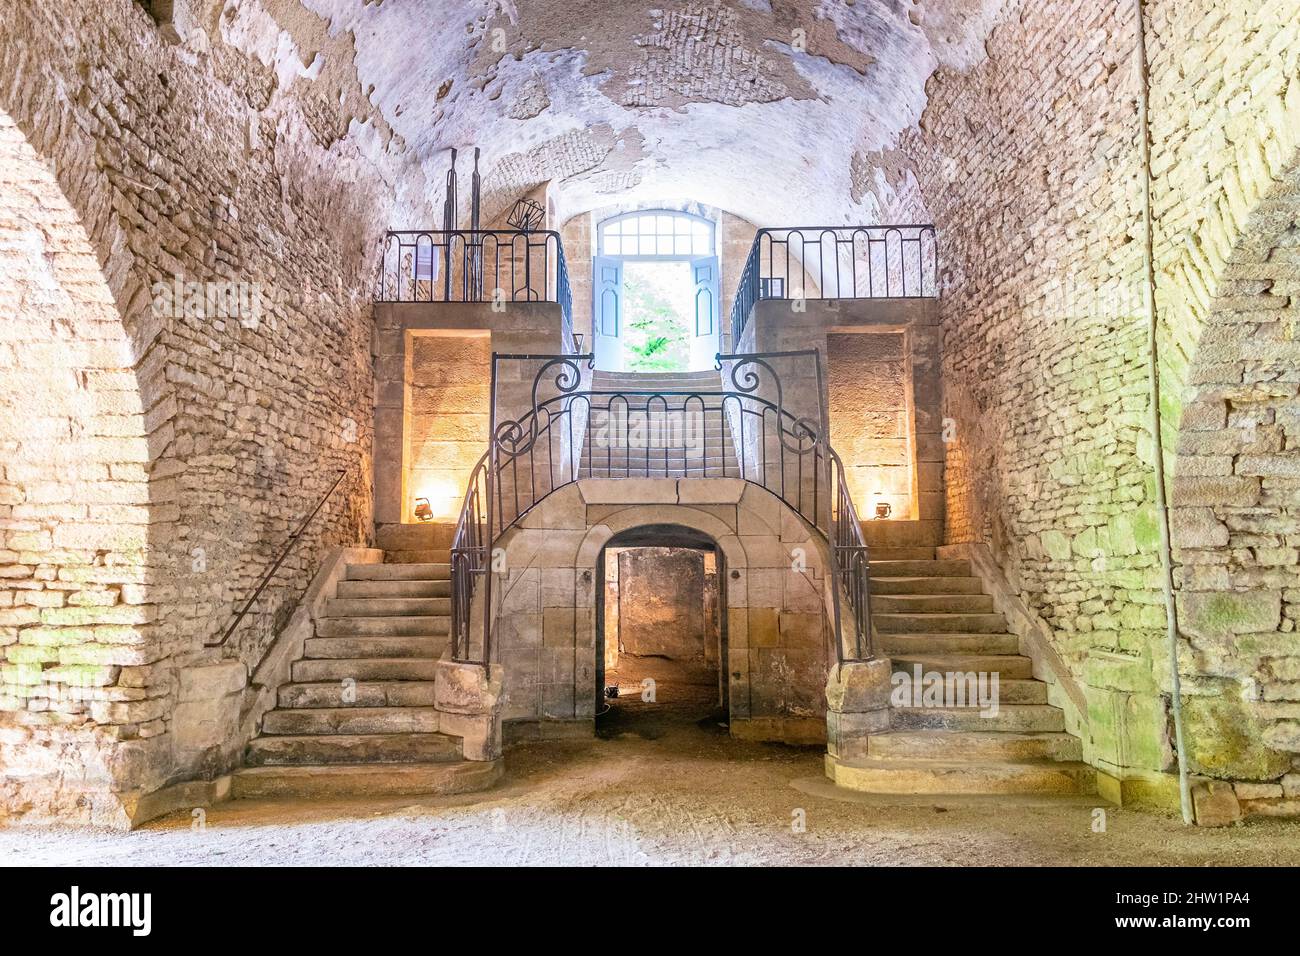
734	432
470	556
836	262
475	265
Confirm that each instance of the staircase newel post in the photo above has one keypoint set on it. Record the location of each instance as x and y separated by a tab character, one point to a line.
824	449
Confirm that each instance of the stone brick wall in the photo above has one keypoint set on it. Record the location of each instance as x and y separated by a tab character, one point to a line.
661	605
433	369
449	396
1029	164
870	400
201	439
75	613
855	382
776	622
1228	200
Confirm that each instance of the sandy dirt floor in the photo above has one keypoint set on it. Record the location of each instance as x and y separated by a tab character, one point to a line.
658	793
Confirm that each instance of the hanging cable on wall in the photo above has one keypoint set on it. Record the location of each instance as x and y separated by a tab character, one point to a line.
1153	377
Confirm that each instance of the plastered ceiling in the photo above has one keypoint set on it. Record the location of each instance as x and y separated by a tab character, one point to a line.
781	112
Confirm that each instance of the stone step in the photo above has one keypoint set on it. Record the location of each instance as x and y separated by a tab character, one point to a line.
912	643
365	780
364	669
1021	691
978	746
939	623
1007	666
393	589
675	469
711	455
694	445
419	534
1010	718
387	607
350	720
901	554
937	585
399	572
352	748
731	471
954	567
413	626
692	442
938	777
384	693
350	648
417	557
931	604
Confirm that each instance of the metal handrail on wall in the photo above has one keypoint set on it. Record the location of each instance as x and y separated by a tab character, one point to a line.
836	262
531	457
270	572
475	265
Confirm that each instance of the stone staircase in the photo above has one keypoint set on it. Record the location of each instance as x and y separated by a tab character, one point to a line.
710	454
935	614
357	717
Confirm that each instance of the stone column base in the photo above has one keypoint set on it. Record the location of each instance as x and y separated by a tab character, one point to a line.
468	700
857	706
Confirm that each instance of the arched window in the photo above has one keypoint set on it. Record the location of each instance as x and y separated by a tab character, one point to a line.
655	292
656	234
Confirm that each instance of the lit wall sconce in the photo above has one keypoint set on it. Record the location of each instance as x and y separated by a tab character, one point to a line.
423	510
883	508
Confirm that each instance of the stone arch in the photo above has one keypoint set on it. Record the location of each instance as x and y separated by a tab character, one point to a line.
778	626
713	633
1235	506
637	516
81	720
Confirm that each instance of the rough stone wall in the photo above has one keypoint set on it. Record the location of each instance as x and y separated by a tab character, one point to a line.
1029	164
220	160
75	511
661	603
1226	116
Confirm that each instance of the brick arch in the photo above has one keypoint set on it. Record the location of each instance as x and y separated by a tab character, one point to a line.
1236	496
76	608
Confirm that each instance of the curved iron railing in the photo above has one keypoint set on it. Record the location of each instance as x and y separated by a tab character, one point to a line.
733	432
470	554
837	262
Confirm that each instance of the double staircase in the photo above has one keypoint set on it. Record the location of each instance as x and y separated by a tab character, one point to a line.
357	716
695	446
933	614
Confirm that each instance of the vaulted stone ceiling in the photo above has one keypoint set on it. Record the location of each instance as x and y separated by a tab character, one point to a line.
779	110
